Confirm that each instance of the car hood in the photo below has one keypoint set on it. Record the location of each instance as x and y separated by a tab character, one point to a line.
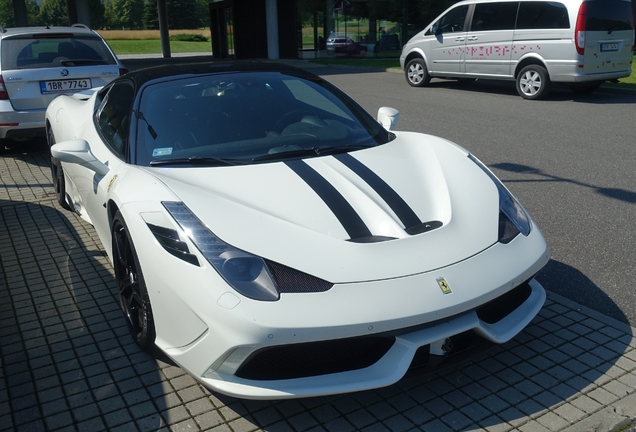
343	217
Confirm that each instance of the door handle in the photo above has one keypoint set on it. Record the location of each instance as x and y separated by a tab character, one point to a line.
473	38
460	39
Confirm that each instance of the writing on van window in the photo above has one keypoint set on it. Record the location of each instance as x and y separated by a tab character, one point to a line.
477	51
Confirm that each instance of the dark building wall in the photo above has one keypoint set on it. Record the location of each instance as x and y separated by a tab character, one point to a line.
287	31
250	29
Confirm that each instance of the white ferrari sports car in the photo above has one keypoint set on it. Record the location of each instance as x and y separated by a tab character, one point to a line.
276	241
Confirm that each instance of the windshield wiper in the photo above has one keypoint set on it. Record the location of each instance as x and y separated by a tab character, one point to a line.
311	151
197	160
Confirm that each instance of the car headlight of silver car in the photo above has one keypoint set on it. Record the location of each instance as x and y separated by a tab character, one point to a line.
513	219
246	273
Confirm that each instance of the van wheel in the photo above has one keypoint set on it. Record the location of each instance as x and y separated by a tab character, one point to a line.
416	73
533	82
586	89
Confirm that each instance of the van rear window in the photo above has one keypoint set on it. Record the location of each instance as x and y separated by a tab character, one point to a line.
608	16
542	15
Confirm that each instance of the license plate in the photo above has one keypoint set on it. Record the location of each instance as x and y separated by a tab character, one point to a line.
65	86
608	47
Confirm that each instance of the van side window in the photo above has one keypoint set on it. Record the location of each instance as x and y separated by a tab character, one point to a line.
451	22
542	15
494	16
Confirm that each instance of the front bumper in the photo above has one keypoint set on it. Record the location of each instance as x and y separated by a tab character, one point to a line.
210	330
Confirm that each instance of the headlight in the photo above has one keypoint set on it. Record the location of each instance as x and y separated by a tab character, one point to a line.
246	273
513	219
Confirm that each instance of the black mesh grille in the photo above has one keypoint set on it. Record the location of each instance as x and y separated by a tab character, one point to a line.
314	358
497	309
289	280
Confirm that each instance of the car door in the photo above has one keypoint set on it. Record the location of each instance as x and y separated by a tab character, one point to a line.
108	141
608	36
489	39
446	41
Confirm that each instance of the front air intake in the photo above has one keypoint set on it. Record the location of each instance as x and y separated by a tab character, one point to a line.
314	358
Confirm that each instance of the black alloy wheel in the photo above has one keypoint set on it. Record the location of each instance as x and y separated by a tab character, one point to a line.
133	295
57	174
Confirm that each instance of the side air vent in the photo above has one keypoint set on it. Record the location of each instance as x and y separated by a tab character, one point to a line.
169	240
289	280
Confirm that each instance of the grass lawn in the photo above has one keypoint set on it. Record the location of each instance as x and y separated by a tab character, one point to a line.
630	81
153	46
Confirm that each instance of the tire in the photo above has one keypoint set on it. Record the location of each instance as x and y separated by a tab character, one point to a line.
57	174
131	286
533	82
586	89
416	73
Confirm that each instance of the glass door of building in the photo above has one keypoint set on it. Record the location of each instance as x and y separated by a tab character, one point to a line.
222	29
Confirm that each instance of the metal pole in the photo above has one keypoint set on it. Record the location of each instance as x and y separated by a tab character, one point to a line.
163	28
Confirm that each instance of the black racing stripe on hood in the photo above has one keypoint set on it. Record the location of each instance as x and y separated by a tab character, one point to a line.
402	210
344	212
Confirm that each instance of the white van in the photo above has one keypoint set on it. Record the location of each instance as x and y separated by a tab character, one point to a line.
576	42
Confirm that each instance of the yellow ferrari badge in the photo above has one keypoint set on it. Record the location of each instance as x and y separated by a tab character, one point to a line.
446	289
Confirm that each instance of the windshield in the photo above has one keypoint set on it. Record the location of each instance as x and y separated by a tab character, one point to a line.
248	117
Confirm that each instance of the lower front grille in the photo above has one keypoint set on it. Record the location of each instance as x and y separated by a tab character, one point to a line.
314	358
497	309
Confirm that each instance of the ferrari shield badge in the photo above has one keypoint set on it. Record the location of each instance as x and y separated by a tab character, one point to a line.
446	289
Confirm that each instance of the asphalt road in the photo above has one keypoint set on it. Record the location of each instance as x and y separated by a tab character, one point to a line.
569	159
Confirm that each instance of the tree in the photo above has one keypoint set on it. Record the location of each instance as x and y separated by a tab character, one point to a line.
182	14
7	17
125	14
151	17
54	13
96	8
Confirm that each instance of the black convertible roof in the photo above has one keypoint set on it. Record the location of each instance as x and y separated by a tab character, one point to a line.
142	76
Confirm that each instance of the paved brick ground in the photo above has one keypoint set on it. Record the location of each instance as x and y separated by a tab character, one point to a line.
68	363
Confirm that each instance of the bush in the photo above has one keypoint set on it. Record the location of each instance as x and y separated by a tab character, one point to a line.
187	37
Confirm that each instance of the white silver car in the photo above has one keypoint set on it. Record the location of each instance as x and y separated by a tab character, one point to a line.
39	63
277	241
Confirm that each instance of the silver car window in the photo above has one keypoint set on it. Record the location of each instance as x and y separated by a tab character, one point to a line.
31	52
